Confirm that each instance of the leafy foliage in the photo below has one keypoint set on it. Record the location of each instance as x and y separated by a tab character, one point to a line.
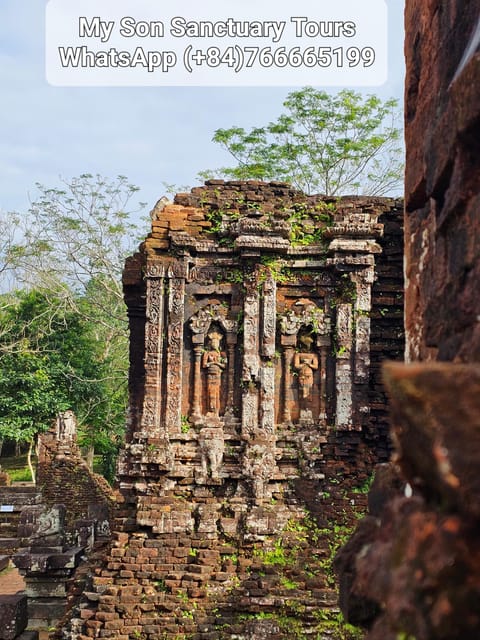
75	239
331	144
52	363
28	399
63	326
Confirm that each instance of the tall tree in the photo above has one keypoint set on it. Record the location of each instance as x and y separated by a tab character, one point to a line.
322	143
66	325
51	362
77	235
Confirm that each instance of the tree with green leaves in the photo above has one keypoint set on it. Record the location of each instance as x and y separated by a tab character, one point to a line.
63	324
50	363
75	236
331	144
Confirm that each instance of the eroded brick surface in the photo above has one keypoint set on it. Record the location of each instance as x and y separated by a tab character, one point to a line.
442	239
413	566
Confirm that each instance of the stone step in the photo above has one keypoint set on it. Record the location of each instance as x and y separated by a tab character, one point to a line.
18	498
8	546
7	516
4	562
8	532
9	543
9	528
11	516
20	486
13	499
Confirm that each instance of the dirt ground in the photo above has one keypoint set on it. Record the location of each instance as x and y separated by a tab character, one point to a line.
11	581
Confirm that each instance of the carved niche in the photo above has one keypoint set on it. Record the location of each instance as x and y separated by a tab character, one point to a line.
305	338
214	337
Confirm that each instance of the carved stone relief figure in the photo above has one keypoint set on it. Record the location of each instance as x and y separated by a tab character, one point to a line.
214	361
213	369
212	447
305	337
259	466
305	362
66	426
43	525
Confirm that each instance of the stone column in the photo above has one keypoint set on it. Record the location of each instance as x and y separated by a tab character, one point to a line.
251	359
322	415
173	386
288	343
198	341
343	377
231	342
363	282
154	335
269	317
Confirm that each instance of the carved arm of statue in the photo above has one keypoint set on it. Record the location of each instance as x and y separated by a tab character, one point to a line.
213	359
305	359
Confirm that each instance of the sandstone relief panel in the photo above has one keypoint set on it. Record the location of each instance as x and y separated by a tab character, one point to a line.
213	339
305	339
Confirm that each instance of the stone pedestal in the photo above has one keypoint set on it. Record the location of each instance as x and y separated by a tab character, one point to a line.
46	564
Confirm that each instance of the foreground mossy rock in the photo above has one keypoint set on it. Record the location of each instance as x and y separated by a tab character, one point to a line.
414	568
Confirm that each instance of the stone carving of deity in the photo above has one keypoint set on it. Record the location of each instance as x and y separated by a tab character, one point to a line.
305	362
214	362
259	465
212	447
66	426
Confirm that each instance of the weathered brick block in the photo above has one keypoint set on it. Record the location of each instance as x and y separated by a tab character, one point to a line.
114	624
13	615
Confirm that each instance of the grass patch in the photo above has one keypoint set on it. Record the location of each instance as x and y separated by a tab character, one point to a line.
16	467
7	570
20	475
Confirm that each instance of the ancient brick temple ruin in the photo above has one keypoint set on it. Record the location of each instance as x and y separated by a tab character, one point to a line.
258	319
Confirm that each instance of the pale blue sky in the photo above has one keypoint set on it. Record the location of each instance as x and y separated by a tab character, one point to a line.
150	135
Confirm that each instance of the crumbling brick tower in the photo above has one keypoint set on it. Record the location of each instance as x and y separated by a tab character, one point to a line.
252	376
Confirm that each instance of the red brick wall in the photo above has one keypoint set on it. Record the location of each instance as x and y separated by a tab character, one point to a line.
442	120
